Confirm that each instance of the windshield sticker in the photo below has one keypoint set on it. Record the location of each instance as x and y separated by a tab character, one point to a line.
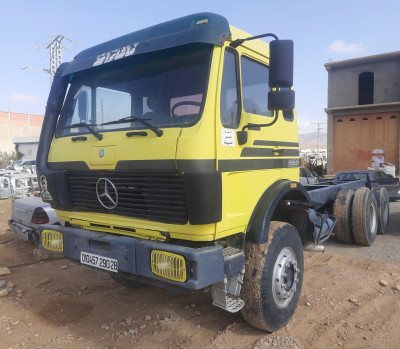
113	55
228	137
78	92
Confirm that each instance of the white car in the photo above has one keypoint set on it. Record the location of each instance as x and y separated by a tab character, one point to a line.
18	185
27	214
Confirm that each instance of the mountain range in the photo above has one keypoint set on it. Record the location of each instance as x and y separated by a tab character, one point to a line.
309	140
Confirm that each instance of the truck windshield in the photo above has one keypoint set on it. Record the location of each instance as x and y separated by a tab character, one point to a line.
165	88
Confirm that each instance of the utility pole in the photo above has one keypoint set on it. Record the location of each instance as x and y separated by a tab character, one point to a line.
318	129
56	52
55	55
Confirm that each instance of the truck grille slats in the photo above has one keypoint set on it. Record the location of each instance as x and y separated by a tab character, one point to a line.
157	196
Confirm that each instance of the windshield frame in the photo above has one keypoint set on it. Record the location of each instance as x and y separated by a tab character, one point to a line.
77	79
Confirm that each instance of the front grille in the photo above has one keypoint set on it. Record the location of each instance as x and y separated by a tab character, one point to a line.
156	196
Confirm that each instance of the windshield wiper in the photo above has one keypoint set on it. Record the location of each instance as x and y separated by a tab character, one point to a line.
89	127
132	118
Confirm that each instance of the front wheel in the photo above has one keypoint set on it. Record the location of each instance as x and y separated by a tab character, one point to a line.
273	278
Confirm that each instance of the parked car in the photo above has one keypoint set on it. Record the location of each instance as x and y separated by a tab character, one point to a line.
306	177
14	165
374	178
18	185
27	214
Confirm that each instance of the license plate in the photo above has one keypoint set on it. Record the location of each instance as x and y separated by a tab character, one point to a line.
101	262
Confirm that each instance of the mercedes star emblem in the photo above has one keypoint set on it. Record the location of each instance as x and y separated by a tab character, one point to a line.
101	153
107	193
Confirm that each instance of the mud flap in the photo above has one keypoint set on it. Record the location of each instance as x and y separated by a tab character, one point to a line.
323	225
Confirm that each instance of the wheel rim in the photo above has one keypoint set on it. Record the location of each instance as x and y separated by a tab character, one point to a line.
372	220
285	276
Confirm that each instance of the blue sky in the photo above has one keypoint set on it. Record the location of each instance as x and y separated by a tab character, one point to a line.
322	31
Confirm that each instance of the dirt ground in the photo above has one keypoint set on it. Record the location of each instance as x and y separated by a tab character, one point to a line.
350	299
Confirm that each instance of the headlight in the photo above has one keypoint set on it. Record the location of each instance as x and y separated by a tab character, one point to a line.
168	265
52	240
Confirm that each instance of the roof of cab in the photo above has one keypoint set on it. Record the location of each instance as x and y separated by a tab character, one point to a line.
196	28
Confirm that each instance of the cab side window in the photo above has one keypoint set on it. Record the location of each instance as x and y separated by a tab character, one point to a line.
230	98
255	87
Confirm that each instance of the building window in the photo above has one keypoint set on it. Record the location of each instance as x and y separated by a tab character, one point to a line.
379	118
365	118
340	120
352	120
393	117
366	88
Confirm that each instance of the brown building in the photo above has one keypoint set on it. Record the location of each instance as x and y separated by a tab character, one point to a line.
363	111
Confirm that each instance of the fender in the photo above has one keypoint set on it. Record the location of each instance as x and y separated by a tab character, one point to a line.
258	227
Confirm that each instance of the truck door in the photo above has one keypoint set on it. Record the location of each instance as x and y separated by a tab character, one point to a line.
247	169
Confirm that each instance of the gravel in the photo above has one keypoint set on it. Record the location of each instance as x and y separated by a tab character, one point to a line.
385	247
281	342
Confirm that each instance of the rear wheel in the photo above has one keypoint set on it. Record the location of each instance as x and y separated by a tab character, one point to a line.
127	282
382	198
273	278
365	217
342	210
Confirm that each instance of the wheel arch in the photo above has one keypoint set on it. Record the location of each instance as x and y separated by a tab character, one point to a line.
268	208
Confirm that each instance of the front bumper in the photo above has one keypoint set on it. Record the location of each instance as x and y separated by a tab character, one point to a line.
205	266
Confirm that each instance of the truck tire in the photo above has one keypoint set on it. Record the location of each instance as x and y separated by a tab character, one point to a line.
127	282
342	210
273	278
365	217
382	198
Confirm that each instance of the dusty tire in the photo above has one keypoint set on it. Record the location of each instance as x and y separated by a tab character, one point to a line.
382	198
127	282
273	278
342	210
365	217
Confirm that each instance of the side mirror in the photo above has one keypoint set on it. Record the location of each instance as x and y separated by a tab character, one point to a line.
281	100
281	64
83	105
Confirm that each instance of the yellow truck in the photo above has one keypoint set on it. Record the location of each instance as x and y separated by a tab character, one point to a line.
172	155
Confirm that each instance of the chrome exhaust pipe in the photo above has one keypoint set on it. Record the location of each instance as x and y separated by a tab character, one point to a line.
313	248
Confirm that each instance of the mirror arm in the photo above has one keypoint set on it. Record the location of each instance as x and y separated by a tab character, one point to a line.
250	126
238	42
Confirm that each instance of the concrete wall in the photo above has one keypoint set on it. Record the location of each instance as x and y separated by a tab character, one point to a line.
17	125
351	149
28	150
343	81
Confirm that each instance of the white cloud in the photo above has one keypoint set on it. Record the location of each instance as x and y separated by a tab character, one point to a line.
341	46
23	98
